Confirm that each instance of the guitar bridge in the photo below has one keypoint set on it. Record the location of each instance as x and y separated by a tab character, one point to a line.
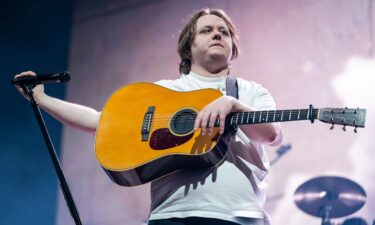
146	124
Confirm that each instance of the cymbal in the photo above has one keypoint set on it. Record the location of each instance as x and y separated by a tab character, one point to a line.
336	196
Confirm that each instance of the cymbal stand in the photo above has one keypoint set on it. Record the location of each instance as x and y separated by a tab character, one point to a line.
326	220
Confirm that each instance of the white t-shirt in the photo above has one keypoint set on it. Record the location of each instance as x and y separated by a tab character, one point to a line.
233	191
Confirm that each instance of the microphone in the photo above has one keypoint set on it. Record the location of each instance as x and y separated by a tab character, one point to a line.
42	78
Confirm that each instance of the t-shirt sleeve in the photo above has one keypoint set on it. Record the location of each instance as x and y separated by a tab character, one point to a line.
255	95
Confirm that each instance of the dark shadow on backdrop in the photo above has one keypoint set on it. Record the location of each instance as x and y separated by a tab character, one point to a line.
35	35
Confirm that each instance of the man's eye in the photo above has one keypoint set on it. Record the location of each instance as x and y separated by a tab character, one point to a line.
225	32
204	31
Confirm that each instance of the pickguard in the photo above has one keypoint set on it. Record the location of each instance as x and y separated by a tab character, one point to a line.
162	139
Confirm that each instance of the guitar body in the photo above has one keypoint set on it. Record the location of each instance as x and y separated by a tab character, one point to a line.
146	132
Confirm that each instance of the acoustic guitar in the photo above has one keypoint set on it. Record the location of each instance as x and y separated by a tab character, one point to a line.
147	131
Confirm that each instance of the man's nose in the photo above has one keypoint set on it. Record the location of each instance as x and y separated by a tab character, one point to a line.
217	35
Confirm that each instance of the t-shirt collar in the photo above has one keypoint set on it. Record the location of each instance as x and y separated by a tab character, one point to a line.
207	79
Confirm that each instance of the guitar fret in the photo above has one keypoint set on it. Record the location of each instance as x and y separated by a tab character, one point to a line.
236	118
282	112
248	115
274	115
254	117
242	118
295	114
290	114
267	117
260	116
277	119
231	121
308	112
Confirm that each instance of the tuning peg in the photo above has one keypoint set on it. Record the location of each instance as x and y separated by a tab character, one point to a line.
355	129
344	128
332	127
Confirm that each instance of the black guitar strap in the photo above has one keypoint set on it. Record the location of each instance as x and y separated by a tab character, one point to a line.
232	90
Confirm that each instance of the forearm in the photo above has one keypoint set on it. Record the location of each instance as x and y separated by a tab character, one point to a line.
77	116
266	133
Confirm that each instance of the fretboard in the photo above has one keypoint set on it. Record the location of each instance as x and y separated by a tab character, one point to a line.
270	116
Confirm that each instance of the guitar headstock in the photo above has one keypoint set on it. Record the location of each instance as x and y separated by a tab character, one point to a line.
343	116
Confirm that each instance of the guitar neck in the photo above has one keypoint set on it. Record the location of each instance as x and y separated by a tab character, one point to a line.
270	116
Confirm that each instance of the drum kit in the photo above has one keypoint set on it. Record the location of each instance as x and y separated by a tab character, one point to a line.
329	197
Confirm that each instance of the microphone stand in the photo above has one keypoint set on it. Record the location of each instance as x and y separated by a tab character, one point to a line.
28	89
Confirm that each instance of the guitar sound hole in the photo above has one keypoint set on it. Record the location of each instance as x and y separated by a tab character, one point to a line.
183	121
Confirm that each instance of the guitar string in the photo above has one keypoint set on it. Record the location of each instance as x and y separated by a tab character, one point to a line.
256	118
168	117
165	120
285	112
257	114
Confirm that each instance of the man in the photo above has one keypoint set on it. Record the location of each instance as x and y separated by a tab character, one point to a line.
232	192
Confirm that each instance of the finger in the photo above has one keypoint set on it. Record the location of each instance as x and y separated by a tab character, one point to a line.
26	73
222	123
198	120
19	88
29	73
211	124
204	122
23	74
